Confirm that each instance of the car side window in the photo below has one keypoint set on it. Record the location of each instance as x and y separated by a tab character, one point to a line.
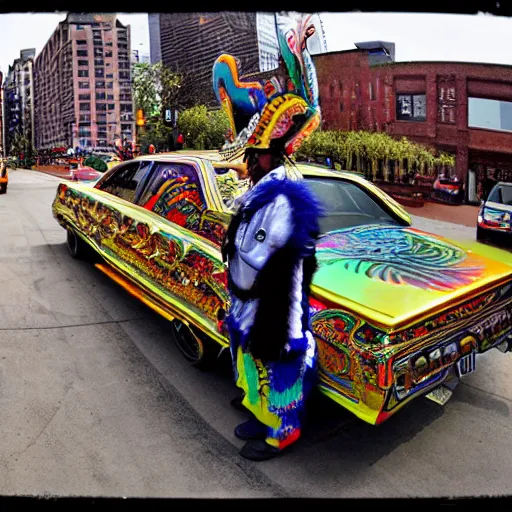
125	181
175	193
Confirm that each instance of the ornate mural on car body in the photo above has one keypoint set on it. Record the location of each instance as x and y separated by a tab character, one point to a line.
183	269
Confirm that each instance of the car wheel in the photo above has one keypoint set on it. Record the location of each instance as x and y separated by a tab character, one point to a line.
200	351
3	188
76	245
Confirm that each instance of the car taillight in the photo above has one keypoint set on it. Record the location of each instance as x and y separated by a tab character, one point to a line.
315	305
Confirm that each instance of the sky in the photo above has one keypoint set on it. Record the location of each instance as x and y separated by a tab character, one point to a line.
470	38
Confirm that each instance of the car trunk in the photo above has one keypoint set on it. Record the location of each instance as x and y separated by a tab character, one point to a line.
394	275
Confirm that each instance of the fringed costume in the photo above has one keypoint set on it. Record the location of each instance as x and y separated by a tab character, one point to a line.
270	250
270	244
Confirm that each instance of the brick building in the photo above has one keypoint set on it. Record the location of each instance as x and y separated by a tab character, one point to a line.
19	100
82	79
457	107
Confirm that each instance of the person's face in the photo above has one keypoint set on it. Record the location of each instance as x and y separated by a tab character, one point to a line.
258	165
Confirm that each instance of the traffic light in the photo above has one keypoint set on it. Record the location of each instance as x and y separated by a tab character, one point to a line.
140	117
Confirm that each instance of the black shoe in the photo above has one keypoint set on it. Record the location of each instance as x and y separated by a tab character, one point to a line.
237	403
259	450
251	429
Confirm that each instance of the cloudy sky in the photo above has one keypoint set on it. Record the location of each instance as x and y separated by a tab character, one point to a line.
479	38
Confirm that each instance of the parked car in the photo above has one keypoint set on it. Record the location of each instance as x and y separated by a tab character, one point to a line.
84	173
4	177
495	216
396	312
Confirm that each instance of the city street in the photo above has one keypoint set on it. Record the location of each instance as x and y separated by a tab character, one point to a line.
97	400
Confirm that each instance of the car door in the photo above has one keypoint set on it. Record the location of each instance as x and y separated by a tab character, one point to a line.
106	211
184	254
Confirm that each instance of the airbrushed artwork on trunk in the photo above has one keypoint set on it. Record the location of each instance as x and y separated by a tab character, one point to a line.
399	256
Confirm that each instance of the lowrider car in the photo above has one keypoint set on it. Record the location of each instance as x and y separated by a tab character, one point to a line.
397	312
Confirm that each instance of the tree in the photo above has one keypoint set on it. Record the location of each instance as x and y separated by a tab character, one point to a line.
203	128
155	88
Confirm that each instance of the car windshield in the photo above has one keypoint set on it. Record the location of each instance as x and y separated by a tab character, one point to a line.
346	205
501	194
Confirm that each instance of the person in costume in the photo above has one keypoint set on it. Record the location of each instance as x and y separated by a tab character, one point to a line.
270	244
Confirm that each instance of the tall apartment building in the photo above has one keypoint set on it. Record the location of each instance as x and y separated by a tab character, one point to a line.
19	100
190	42
83	85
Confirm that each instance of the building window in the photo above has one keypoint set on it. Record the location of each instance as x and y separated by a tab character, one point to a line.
81	41
110	85
100	85
490	114
108	53
109	43
83	73
84	96
100	96
446	100
81	53
110	75
83	85
84	118
83	62
99	62
97	42
99	73
411	107
85	106
80	27
124	75
126	107
111	106
371	91
124	65
111	97
101	106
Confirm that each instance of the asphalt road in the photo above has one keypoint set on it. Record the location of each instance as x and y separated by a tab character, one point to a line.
97	401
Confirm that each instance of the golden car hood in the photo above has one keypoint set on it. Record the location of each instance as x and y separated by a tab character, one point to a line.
391	274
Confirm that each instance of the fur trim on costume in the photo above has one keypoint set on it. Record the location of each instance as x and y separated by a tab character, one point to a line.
306	209
273	286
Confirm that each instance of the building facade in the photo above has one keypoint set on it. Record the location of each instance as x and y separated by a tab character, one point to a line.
83	94
190	43
461	108
19	101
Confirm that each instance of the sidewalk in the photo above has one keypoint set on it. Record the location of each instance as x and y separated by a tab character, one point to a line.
465	215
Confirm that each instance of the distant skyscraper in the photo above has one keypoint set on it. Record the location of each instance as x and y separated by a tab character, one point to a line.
155	44
189	43
269	46
19	100
82	83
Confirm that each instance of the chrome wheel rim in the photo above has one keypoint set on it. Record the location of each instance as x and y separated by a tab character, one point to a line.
188	344
72	243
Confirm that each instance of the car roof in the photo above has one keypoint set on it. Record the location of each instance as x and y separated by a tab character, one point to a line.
503	184
306	169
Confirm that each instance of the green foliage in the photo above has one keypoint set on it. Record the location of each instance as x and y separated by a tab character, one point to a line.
349	150
203	128
155	87
96	163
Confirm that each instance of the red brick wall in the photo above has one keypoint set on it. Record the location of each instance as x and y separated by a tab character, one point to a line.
359	112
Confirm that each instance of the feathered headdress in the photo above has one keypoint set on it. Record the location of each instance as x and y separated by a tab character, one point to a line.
281	111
